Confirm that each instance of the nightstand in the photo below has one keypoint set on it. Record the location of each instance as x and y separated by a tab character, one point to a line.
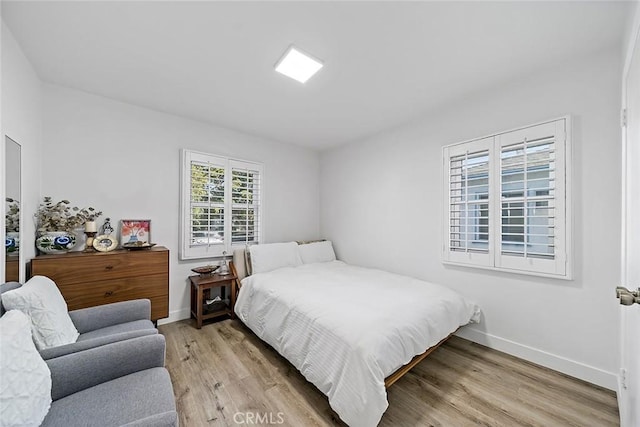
201	285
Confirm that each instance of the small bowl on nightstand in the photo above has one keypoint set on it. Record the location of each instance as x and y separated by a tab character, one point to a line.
206	270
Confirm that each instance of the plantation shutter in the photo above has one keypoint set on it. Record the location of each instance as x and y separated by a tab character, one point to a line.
245	208
205	233
220	204
468	235
532	199
507	201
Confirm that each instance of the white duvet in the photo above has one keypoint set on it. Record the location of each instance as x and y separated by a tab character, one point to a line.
347	328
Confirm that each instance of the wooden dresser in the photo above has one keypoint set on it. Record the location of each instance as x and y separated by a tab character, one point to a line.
96	278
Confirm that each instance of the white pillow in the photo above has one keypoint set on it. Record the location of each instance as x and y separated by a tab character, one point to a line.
274	255
25	394
41	300
317	252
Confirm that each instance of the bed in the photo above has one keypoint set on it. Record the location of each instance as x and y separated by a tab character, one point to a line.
349	330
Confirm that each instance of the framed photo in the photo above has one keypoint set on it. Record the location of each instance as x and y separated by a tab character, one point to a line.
135	231
105	243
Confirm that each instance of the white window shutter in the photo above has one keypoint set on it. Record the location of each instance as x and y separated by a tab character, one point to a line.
467	216
507	201
221	202
532	199
246	183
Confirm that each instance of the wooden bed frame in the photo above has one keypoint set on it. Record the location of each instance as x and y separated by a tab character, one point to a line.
388	382
391	379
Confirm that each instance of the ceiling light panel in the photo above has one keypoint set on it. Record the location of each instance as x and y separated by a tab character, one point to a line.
298	65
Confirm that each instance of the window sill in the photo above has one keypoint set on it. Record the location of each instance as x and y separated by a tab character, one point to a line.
567	276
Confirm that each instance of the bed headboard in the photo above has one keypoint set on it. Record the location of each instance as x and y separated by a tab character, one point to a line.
241	263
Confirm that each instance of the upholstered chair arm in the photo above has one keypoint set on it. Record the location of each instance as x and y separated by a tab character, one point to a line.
102	316
74	372
165	419
75	347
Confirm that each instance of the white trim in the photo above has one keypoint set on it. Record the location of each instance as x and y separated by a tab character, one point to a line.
3	268
567	366
507	270
22	265
2	189
176	315
569	255
21	256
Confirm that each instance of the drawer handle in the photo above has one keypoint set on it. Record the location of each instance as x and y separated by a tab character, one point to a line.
108	293
109	267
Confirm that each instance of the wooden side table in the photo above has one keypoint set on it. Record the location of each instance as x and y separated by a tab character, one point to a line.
203	284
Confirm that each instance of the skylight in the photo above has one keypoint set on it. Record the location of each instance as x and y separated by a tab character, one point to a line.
298	65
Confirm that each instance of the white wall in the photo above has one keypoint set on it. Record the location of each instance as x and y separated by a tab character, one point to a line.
381	206
22	121
124	160
630	28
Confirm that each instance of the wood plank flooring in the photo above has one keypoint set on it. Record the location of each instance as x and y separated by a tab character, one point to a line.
223	371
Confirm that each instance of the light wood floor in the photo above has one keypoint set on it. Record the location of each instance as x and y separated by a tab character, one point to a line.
224	369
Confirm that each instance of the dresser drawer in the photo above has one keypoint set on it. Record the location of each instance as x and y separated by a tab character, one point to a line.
83	269
105	291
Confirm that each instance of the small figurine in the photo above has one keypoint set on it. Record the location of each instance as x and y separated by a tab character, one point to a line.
106	227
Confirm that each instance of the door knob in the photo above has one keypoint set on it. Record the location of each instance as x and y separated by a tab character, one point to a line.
626	296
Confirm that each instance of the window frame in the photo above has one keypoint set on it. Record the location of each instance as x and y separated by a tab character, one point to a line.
561	266
187	251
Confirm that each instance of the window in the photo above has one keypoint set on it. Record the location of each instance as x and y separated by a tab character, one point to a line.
507	200
221	204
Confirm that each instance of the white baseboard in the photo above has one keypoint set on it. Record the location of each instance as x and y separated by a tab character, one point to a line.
174	316
558	363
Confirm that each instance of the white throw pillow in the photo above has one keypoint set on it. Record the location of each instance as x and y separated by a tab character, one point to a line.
317	252
274	255
25	390
41	300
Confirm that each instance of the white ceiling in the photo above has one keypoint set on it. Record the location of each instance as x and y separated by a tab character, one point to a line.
386	63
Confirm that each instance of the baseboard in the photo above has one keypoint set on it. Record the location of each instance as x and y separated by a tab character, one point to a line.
174	316
570	367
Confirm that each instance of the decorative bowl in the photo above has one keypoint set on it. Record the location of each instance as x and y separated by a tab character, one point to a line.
138	245
205	269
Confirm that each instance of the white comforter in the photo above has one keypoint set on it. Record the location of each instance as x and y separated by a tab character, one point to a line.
347	328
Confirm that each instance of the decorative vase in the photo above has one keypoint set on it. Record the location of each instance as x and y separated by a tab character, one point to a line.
12	242
56	242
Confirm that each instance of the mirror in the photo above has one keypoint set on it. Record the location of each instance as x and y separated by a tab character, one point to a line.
12	210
